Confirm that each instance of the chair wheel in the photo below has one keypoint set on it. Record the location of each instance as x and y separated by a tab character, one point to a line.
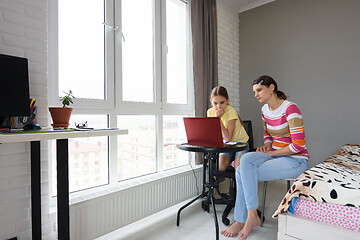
225	221
205	206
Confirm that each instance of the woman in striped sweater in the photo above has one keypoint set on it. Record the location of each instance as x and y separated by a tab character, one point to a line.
284	154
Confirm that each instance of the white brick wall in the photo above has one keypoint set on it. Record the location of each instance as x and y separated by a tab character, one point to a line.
228	52
23	32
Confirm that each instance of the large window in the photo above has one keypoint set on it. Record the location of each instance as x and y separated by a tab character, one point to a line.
177	45
127	62
137	50
81	48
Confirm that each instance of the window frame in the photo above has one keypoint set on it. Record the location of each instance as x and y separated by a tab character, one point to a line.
113	104
53	90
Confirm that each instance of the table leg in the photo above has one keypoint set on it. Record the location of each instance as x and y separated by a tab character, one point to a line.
205	160
186	205
211	195
197	197
208	159
62	165
35	190
213	185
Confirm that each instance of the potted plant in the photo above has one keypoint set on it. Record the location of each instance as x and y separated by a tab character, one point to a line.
61	115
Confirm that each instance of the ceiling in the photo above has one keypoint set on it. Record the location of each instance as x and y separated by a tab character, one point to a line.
244	5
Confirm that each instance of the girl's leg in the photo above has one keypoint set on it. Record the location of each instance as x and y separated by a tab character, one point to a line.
237	158
224	162
236	162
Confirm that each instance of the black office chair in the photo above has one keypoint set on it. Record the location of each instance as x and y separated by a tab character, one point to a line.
229	198
249	131
264	198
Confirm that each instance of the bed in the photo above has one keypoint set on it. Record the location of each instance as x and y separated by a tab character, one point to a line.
324	201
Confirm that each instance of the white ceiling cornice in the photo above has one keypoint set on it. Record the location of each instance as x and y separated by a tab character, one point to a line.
254	4
244	5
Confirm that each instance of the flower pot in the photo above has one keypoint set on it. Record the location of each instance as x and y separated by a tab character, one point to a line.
60	116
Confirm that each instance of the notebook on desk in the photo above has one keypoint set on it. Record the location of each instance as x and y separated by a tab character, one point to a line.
203	131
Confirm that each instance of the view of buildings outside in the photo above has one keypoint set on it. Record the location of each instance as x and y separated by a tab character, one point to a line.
137	149
88	157
174	132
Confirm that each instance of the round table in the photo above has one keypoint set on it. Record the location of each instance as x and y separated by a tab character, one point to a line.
204	149
210	159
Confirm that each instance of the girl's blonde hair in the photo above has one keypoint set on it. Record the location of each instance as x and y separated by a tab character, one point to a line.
221	91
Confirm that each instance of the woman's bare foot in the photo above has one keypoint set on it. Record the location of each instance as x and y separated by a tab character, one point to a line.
252	221
233	230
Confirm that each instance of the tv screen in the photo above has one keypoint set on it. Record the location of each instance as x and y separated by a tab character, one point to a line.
14	86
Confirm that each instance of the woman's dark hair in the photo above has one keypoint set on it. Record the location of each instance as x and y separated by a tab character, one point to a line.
267	81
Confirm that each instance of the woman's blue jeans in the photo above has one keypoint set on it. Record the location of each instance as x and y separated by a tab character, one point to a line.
258	166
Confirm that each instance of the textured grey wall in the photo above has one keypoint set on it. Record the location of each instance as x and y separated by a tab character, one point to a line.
312	49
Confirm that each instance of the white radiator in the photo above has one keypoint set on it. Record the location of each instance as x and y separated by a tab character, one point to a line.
93	218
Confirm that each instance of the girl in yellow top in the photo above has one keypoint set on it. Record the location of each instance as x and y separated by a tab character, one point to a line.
231	125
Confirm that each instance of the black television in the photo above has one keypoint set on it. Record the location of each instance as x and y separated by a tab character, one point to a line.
14	87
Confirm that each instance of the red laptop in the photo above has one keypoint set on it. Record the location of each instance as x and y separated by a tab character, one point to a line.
204	131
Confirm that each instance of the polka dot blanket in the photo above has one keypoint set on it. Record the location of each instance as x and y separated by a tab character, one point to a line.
339	215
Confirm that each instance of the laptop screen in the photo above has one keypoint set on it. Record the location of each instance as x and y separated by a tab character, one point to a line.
204	131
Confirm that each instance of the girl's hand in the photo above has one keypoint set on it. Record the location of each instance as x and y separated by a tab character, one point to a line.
219	112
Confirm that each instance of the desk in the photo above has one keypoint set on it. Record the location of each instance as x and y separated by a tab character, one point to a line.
210	155
62	156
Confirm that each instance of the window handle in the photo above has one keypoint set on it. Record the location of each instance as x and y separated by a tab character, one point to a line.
114	29
110	26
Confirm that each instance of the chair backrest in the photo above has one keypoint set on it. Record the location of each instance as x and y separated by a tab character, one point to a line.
249	131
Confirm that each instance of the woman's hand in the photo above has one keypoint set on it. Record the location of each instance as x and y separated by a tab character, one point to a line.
280	152
266	148
271	153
